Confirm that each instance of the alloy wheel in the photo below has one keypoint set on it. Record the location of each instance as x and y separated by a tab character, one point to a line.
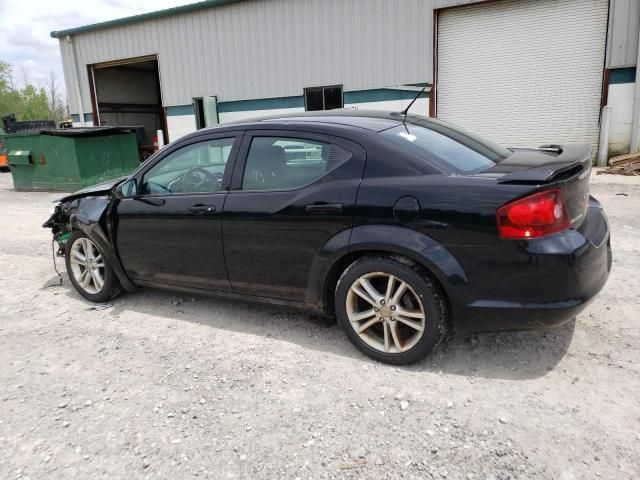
87	265
385	312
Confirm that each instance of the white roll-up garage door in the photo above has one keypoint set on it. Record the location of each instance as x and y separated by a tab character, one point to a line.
521	72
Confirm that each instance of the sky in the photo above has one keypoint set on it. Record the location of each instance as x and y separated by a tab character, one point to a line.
25	27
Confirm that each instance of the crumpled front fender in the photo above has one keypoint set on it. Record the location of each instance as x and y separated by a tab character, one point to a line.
87	218
89	210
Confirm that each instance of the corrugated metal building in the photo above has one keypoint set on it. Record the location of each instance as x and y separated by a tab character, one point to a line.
518	71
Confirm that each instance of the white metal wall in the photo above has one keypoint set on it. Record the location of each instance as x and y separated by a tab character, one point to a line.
624	22
268	48
621	99
522	72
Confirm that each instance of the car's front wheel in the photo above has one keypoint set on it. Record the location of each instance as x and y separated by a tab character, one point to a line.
390	310
88	269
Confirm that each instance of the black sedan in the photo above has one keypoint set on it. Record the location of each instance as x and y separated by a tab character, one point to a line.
403	227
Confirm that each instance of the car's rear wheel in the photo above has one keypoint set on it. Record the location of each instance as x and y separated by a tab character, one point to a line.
88	269
390	310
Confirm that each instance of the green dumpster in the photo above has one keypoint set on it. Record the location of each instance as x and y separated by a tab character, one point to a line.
71	159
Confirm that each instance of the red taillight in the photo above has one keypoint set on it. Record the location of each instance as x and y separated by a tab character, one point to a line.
534	216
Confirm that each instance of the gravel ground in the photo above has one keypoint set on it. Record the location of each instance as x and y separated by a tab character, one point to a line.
170	386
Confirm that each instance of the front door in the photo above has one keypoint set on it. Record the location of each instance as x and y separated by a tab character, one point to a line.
169	230
293	193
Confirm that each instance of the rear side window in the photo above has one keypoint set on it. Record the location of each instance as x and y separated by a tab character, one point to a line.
446	144
283	163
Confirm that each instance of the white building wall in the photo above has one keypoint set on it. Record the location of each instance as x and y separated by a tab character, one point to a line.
621	99
180	125
256	49
293	44
622	42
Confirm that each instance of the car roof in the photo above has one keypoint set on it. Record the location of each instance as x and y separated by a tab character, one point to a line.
375	121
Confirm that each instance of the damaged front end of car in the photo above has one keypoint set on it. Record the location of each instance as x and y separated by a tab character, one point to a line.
89	211
60	224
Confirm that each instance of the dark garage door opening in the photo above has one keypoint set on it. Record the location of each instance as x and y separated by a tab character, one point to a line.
127	93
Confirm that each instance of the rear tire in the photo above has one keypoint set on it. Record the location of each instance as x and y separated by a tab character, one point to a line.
88	269
390	310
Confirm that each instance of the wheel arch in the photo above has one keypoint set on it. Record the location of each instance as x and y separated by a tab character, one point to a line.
389	240
87	219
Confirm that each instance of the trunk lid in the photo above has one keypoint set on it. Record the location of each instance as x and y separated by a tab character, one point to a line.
566	167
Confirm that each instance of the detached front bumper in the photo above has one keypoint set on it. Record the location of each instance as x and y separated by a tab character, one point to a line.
544	282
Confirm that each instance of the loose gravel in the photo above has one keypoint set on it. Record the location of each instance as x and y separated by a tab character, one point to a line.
159	385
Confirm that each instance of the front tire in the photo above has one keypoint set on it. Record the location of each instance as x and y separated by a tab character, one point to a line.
88	269
390	310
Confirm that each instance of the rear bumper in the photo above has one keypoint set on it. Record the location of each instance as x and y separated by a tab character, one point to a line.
551	280
490	315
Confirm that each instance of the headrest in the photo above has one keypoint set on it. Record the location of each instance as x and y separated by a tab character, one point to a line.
270	157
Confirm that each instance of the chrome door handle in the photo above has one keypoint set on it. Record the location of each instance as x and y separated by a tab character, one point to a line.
202	209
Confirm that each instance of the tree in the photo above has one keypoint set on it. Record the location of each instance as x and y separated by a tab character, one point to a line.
35	104
30	102
8	98
57	105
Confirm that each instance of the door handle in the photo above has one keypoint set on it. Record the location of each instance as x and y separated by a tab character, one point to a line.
200	209
323	208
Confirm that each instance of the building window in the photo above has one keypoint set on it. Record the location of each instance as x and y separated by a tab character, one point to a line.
206	110
199	110
323	98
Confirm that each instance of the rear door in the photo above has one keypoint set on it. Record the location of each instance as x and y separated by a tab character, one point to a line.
169	230
291	192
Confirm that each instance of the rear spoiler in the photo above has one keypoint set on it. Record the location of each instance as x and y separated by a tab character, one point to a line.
563	161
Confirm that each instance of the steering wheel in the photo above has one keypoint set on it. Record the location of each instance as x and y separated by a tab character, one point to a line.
196	178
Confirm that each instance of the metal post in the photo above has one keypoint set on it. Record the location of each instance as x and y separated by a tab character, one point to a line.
635	119
605	128
160	135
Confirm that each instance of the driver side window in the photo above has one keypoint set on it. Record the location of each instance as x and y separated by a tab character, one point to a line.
196	168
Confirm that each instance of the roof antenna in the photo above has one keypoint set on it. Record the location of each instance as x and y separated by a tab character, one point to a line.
406	110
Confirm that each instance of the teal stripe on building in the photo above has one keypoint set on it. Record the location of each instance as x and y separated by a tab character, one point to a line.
622	75
180	110
356	96
261	104
380	95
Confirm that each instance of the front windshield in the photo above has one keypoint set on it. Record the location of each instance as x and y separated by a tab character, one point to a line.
443	143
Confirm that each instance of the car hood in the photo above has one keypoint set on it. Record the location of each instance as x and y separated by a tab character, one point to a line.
94	190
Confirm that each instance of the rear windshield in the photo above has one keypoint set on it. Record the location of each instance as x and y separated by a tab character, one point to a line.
443	143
